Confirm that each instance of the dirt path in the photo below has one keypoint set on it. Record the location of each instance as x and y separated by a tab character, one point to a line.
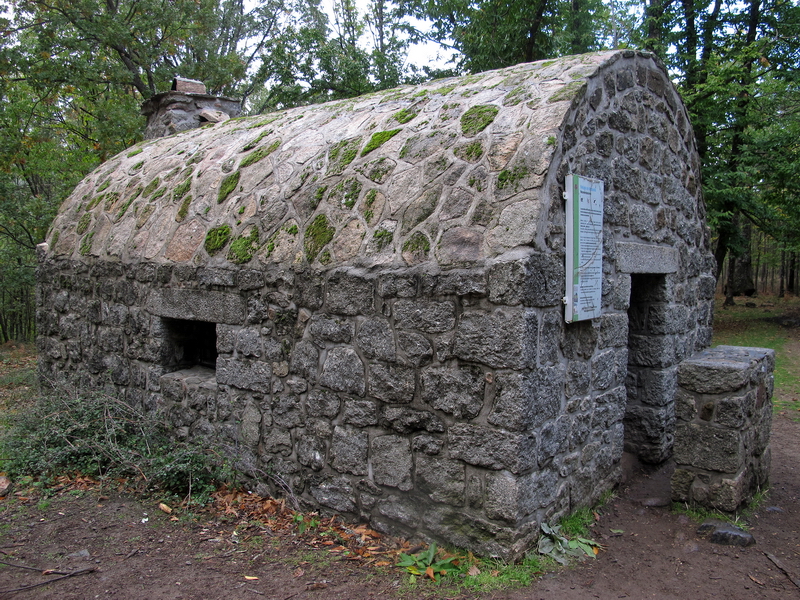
133	551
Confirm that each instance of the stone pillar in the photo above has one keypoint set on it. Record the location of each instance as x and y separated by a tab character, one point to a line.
724	415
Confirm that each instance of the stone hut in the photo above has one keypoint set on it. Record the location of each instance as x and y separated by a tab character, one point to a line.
363	300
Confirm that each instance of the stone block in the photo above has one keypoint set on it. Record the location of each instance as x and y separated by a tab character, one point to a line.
503	339
350	293
335	493
360	413
458	391
492	448
391	461
392	383
425	315
197	305
330	329
349	450
409	420
708	447
376	340
244	374
322	403
343	371
442	479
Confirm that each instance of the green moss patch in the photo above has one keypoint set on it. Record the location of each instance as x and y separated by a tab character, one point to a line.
347	192
124	208
317	196
217	238
104	186
382	237
405	115
259	154
255	141
378	139
83	224
568	92
134	152
342	154
510	177
54	238
318	234
417	243
151	187
471	152
227	186
478	118
243	247
181	190
86	244
111	200
184	209
378	170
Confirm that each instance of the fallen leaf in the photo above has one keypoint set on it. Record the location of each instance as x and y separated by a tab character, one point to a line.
298	572
317	585
473	570
164	508
250	577
494	573
755	580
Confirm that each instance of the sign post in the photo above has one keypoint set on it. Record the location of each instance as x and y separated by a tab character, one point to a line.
584	248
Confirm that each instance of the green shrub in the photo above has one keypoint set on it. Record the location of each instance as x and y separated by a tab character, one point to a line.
101	436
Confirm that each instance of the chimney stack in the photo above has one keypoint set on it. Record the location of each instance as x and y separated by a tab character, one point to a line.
186	106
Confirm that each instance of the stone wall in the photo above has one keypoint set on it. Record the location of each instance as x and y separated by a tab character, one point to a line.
724	410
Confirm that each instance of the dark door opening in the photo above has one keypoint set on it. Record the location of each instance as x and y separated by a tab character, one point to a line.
652	372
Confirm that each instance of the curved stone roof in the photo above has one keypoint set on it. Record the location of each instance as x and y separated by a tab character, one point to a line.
449	172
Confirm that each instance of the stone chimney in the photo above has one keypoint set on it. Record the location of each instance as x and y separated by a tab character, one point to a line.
186	106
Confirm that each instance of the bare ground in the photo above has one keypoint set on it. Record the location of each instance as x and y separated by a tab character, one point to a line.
129	549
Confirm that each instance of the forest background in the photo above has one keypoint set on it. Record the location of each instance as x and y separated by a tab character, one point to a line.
73	74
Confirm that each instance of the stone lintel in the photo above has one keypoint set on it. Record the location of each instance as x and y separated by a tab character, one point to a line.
197	305
633	257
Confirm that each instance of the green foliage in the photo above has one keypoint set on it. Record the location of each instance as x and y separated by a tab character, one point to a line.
227	186
101	436
217	238
426	564
317	235
477	118
243	247
557	546
378	139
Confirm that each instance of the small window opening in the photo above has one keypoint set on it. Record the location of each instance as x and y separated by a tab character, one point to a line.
190	343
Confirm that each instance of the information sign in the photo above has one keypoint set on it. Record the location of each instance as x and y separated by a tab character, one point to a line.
584	248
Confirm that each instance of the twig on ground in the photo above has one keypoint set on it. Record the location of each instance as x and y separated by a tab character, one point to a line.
49	581
783	568
2	562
